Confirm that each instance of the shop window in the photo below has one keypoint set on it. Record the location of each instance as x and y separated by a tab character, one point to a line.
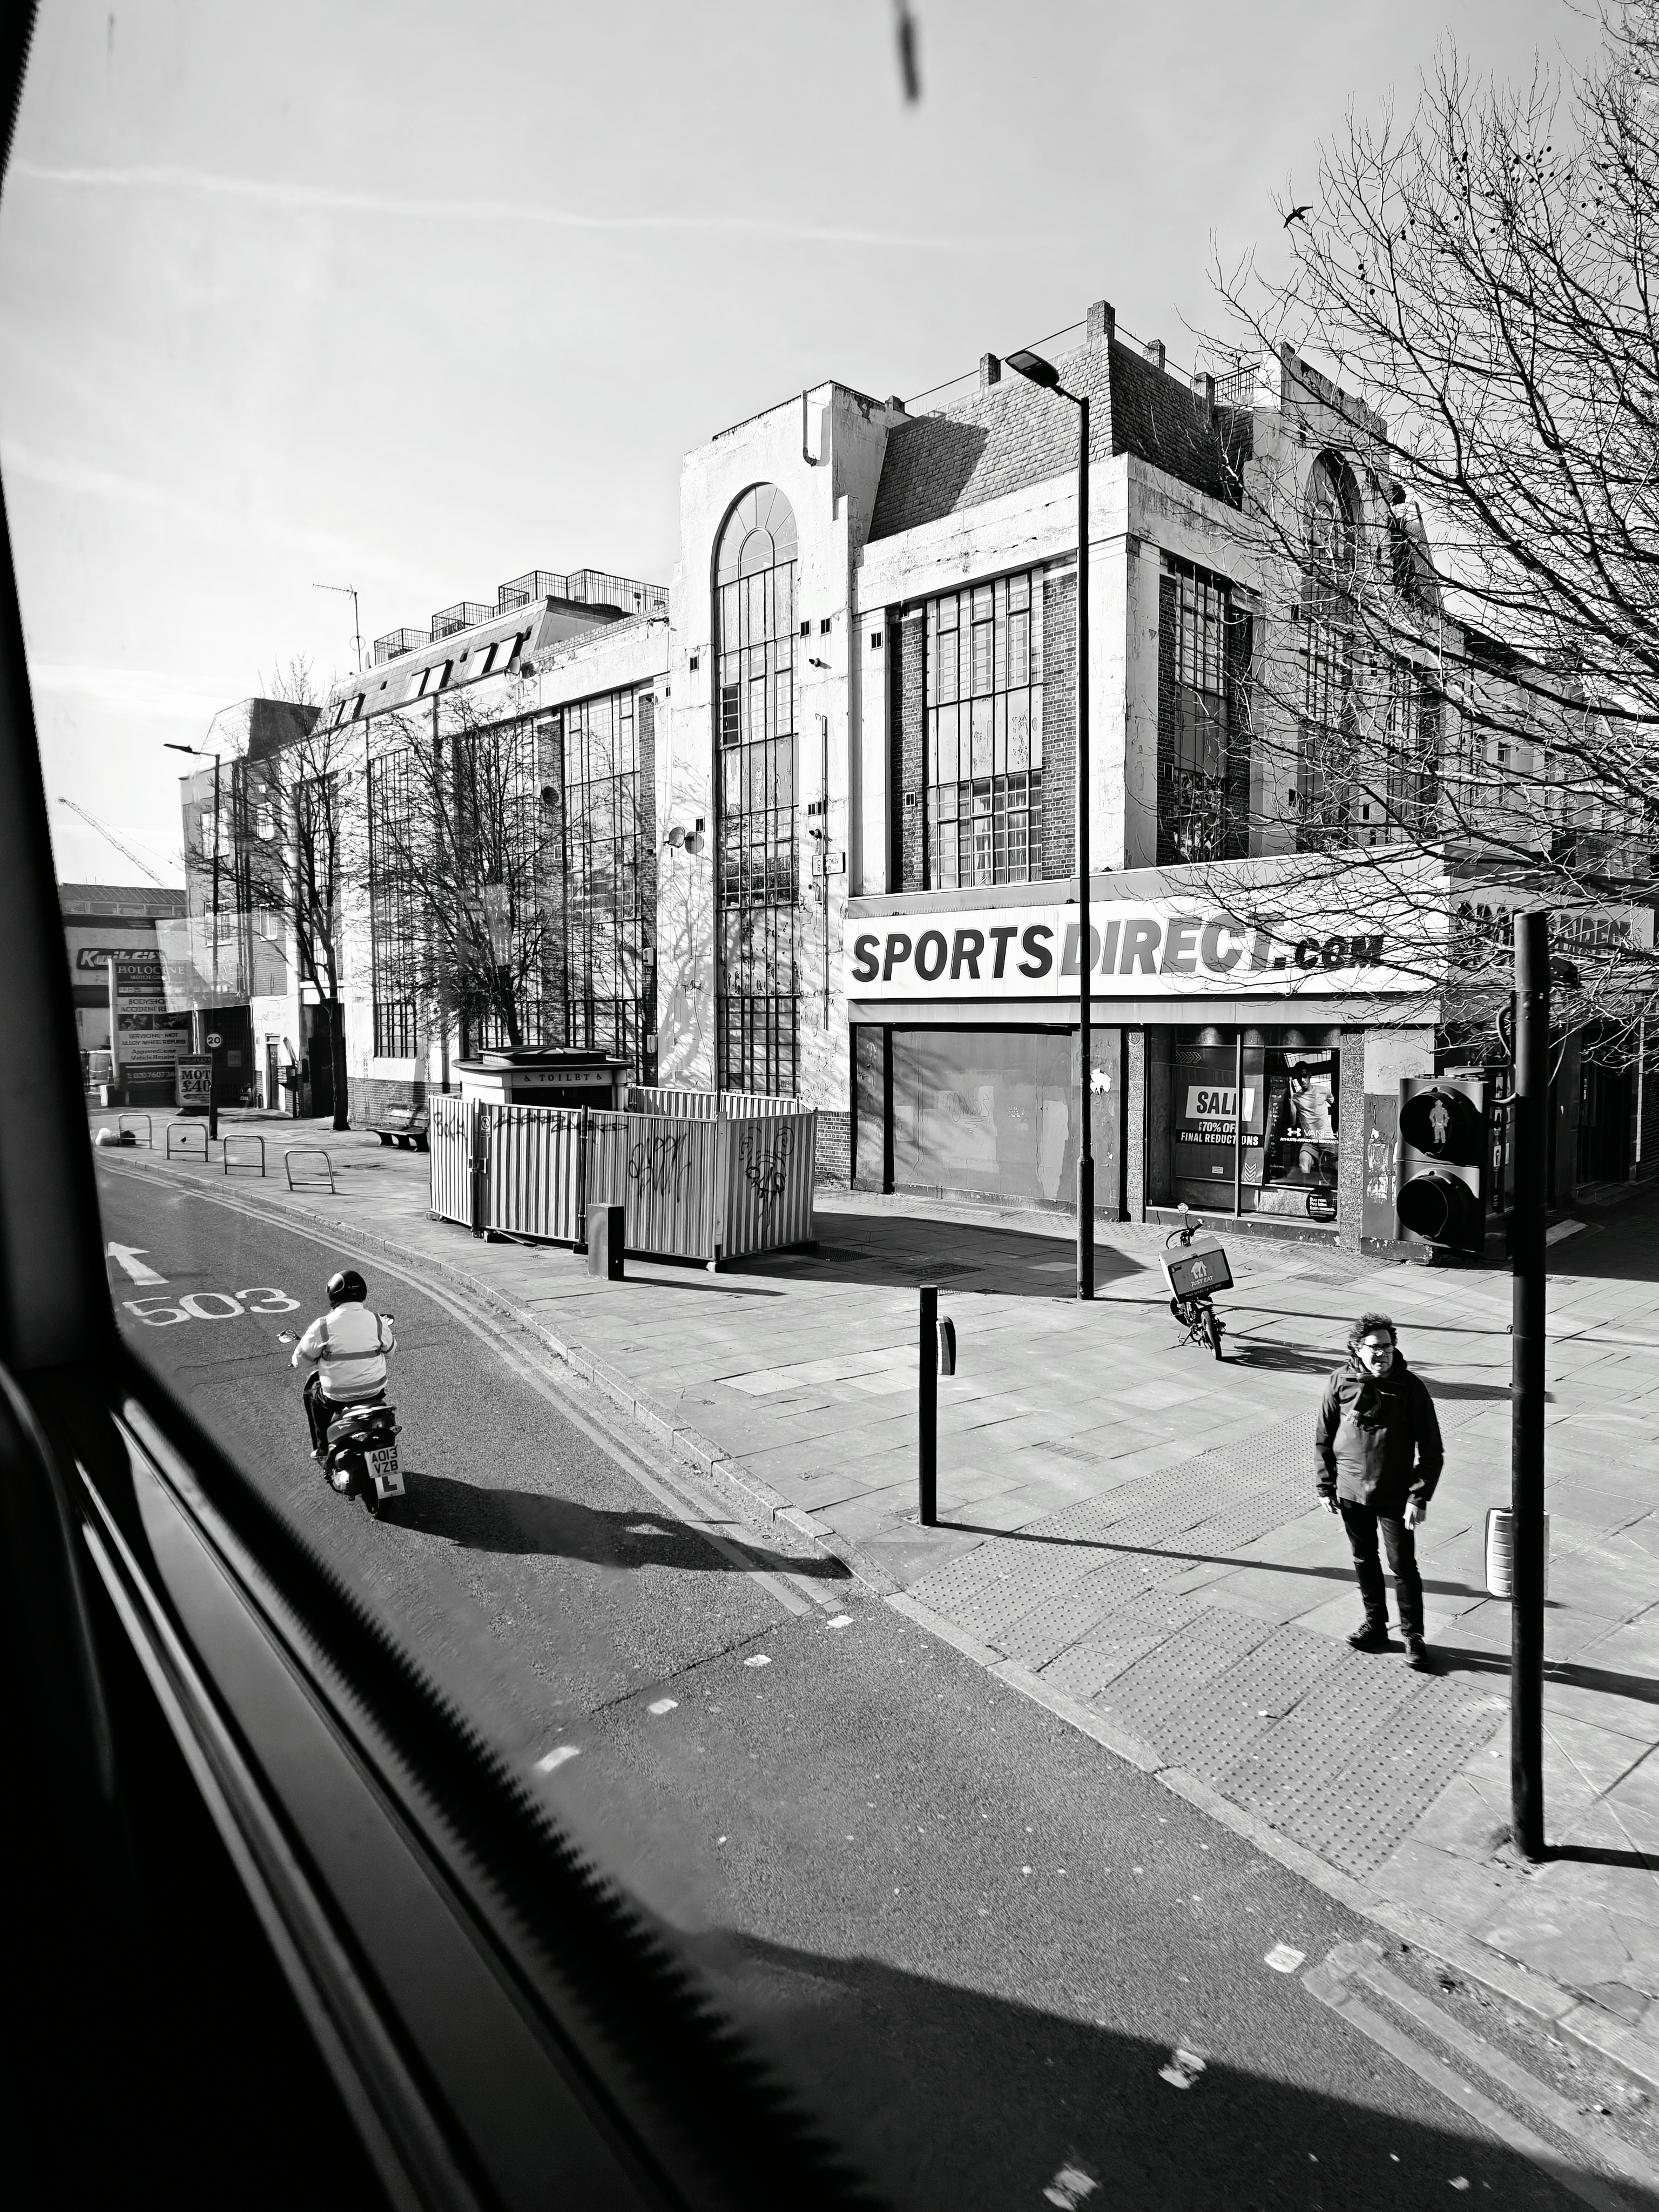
1237	1127
983	819
995	1111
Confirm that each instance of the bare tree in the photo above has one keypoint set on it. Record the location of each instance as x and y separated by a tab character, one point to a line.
1462	651
465	836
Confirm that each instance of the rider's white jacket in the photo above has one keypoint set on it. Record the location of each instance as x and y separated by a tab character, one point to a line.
348	1345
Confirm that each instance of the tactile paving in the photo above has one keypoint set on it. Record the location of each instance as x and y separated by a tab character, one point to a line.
1043	1631
1157	1695
1122	1639
1243	1704
1003	1578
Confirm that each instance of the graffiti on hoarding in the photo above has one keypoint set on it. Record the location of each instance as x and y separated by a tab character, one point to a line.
659	1163
764	1155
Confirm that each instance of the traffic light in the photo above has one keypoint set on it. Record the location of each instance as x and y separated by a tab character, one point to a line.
1441	1195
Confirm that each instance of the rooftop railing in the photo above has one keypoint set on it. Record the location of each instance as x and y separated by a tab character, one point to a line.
461	616
397	642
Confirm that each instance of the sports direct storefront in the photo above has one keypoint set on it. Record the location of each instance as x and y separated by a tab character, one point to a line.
1229	1052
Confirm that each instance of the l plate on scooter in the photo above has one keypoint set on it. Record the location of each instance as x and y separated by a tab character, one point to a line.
384	1473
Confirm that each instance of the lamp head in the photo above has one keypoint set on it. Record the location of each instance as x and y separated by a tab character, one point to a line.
1034	369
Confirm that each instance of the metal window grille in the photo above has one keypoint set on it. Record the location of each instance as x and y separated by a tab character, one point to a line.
609	932
394	913
983	703
756	859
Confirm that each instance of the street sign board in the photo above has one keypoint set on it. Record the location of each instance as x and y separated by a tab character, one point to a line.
214	1040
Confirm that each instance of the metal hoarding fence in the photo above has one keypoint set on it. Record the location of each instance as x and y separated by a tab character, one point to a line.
450	1131
672	1174
704	1105
694	1185
766	1169
532	1181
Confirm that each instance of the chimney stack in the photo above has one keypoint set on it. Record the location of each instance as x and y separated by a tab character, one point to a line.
1155	352
1206	393
990	371
1102	323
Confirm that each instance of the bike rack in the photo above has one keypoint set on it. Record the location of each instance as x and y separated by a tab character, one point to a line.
183	1129
311	1152
244	1137
121	1121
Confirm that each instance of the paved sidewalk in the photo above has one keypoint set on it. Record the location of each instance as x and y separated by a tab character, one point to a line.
1131	1536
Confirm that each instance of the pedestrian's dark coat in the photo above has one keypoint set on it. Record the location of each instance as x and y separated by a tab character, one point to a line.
1377	1438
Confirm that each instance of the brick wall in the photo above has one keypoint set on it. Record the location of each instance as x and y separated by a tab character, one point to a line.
834	1164
1059	724
367	1097
909	671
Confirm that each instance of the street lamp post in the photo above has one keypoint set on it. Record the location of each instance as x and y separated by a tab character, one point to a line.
1038	371
200	754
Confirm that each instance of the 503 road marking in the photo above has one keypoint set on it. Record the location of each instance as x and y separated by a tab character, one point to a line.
195	1306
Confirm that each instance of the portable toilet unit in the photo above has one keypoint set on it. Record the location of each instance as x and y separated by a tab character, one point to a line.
534	1076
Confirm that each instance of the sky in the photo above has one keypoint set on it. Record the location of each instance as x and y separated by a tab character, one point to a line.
413	298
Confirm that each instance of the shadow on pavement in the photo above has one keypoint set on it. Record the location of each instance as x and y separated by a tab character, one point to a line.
530	1522
901	1252
1599	1855
1333	1574
1568	1672
952	2100
1624	1247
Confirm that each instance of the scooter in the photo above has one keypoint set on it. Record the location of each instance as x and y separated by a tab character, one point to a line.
360	1448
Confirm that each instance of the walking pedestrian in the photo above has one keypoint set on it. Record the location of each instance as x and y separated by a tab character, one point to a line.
1379	1456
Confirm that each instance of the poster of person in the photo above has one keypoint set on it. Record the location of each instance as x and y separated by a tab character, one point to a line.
1298	1172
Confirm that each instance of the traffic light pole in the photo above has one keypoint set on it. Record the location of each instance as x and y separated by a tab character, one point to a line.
1530	1135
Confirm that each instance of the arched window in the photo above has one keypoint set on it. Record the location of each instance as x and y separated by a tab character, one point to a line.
755	862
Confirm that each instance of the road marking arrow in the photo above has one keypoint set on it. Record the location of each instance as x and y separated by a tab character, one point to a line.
130	1259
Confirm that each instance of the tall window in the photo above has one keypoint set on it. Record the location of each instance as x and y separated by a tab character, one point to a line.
609	969
394	922
1199	816
1324	793
1397	784
757	865
984	707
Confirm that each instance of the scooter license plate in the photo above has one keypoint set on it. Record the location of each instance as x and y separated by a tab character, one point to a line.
384	1474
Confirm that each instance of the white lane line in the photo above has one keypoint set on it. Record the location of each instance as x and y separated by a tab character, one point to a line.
1329	1984
1548	2104
130	1258
678	1500
556	1758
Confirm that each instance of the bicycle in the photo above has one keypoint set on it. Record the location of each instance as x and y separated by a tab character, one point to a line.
1193	1278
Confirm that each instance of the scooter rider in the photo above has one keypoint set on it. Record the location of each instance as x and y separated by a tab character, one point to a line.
349	1346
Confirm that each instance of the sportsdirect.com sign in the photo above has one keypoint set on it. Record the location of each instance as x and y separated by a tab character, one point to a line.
1155	950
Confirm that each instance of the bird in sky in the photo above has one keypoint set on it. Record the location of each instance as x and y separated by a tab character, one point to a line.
1299	213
